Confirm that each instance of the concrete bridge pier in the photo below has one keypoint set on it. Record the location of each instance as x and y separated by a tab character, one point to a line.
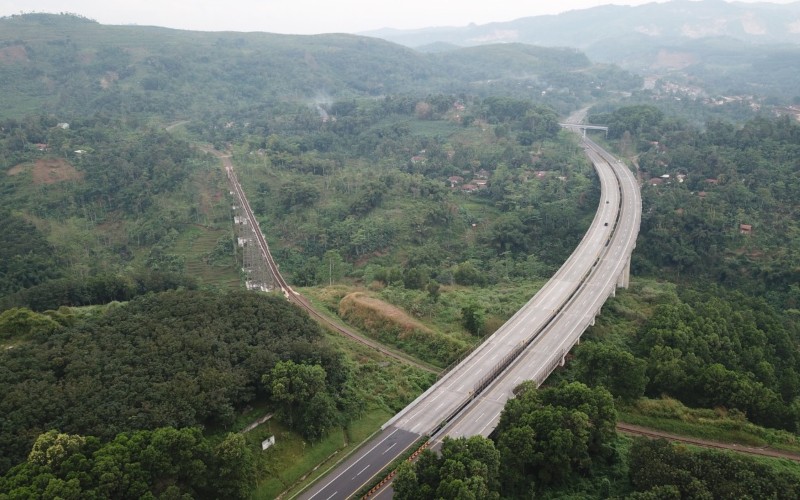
624	279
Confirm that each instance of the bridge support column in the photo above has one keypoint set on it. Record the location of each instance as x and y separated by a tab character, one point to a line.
563	361
624	278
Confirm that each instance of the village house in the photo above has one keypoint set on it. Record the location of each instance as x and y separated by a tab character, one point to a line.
455	180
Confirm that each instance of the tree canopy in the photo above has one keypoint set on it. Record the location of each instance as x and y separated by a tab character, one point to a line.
159	463
177	358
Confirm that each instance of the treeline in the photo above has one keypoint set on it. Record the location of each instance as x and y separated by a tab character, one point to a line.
659	469
26	257
91	290
708	349
561	441
159	463
177	358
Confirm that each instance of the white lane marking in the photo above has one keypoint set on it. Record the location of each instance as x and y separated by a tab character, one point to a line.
334	494
389	448
351	465
484	427
362	470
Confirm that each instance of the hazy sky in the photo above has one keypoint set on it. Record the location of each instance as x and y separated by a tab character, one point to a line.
304	16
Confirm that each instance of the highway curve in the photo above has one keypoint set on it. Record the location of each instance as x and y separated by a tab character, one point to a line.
444	401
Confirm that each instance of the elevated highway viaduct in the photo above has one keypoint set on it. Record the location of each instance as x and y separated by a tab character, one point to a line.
469	398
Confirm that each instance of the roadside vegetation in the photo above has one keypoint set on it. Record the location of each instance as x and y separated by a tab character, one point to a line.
560	441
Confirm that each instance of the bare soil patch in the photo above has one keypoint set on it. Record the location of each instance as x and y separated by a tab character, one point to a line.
48	171
18	169
673	60
12	54
376	308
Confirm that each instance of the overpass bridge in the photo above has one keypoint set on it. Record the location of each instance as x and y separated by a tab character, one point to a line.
530	345
583	128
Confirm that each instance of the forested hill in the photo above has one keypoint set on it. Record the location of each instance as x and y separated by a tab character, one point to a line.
602	29
73	64
724	47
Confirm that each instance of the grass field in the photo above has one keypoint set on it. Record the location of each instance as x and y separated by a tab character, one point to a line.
195	245
292	462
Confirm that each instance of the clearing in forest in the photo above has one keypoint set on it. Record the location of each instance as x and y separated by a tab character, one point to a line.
374	311
48	171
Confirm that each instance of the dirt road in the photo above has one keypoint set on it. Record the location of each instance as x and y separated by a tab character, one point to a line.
751	450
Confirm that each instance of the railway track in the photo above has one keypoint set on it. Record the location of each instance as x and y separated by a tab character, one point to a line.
287	290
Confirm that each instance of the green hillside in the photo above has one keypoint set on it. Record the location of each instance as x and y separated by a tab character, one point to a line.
64	63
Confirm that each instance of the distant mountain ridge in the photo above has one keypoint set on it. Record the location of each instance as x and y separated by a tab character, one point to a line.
59	63
612	33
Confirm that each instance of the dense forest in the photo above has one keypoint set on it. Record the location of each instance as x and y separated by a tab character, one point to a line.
724	208
159	463
421	198
179	359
